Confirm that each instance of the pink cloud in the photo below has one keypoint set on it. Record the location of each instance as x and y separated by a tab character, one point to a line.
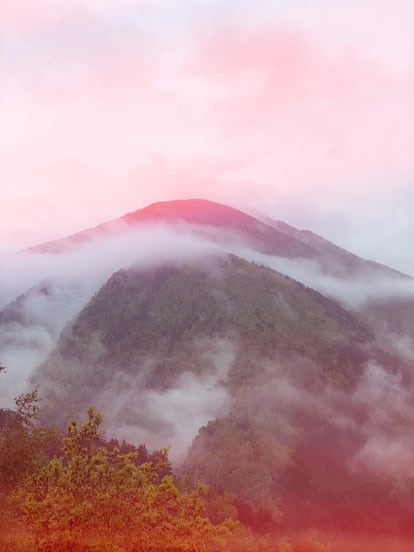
108	106
25	16
283	94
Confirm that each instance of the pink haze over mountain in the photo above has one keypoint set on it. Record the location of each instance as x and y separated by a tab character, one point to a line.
304	110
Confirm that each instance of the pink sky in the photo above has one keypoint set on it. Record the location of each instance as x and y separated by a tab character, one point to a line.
301	109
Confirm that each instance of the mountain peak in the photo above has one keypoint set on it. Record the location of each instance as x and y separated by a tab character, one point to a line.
198	211
229	226
232	223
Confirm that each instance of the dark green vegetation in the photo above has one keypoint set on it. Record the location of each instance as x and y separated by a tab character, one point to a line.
161	314
289	442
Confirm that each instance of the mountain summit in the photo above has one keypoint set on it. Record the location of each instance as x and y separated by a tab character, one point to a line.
228	225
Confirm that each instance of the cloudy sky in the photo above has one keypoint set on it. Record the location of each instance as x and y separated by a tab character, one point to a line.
303	109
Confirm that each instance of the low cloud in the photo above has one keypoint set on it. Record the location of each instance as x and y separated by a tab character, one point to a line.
171	417
53	288
57	286
355	291
159	416
61	284
376	415
389	426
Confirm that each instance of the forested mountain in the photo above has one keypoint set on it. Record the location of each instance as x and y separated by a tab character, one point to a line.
285	368
275	364
158	324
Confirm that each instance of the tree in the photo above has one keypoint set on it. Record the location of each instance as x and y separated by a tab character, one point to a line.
22	443
94	498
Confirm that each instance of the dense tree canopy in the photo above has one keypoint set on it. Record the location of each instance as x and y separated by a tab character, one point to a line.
93	498
23	445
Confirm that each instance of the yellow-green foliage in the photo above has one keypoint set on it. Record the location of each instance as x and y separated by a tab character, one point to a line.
99	499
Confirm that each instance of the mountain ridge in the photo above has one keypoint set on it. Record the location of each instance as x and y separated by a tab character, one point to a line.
267	235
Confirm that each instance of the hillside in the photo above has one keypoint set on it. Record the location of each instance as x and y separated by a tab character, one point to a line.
274	375
152	324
